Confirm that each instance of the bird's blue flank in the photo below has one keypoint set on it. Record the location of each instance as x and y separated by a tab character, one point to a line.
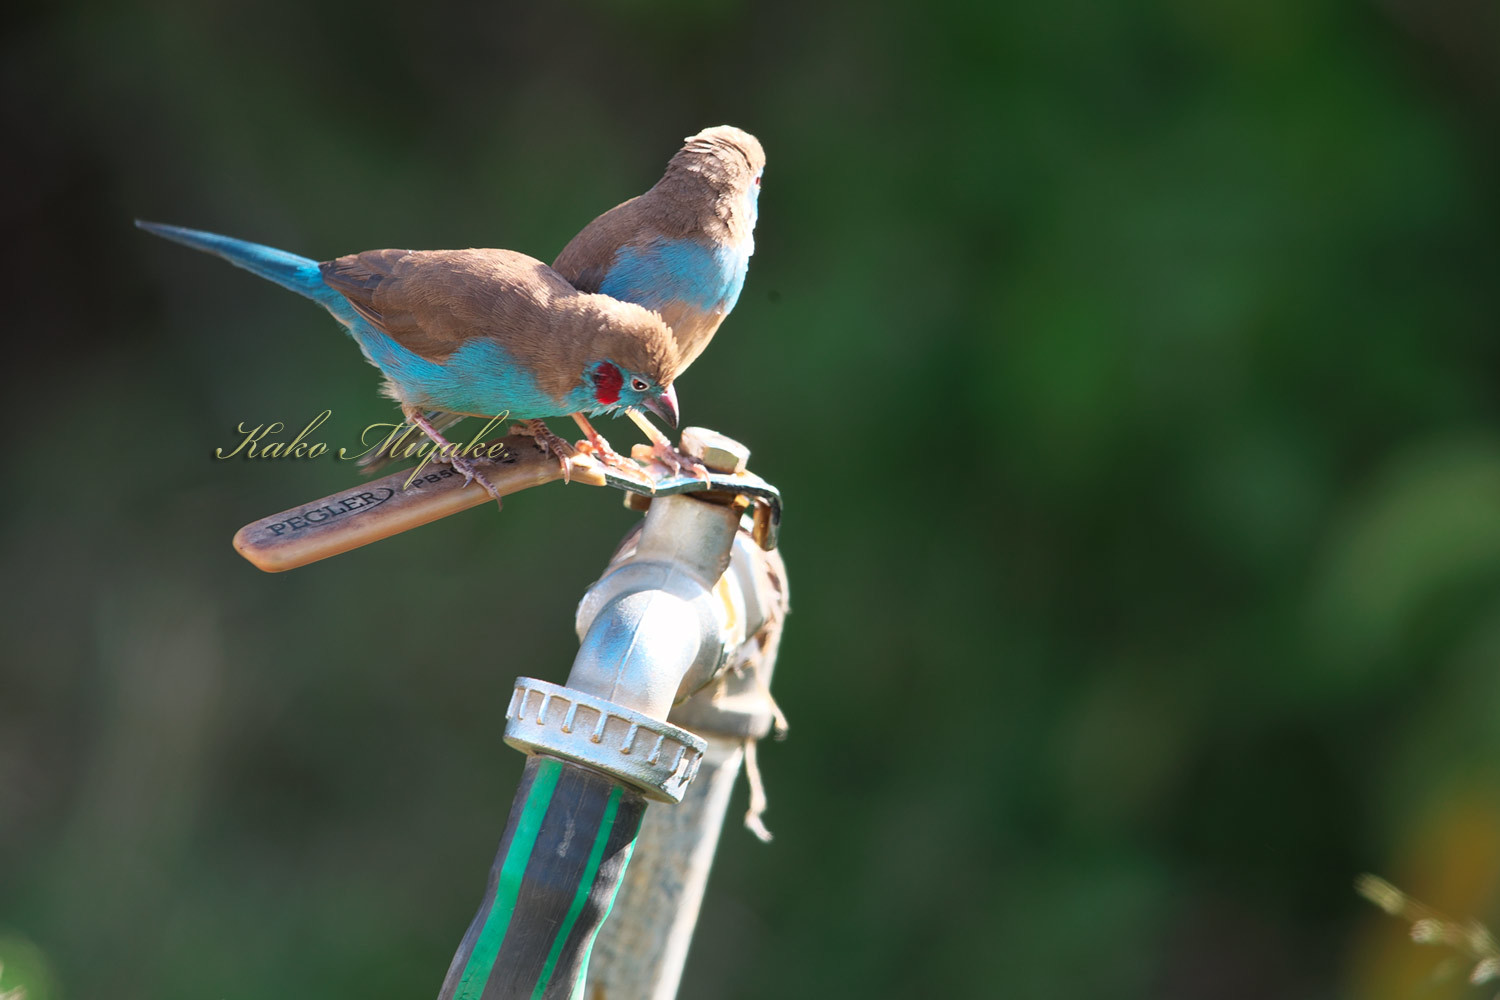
292	271
660	271
479	378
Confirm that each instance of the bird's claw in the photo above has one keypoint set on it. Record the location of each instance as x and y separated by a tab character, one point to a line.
564	462
612	459
675	461
466	468
446	452
551	445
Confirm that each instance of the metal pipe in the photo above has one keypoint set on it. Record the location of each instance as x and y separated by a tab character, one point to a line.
661	619
640	953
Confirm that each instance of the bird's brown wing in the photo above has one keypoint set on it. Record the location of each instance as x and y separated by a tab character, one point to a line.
432	302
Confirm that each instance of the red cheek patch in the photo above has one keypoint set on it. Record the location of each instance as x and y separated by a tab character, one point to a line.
607	383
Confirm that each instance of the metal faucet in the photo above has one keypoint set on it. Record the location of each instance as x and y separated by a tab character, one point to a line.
665	700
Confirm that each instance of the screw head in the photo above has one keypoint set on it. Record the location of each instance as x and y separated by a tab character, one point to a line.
718	452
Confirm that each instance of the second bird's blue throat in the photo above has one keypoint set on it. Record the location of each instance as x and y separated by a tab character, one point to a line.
660	272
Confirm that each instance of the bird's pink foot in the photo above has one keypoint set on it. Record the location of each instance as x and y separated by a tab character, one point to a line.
662	450
599	448
678	462
550	444
471	474
446	451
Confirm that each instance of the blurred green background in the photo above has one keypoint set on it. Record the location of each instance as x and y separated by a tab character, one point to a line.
1169	331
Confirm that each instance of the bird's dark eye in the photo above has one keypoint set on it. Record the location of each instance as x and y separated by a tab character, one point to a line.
638	384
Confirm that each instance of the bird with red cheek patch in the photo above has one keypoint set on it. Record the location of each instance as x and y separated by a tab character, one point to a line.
478	333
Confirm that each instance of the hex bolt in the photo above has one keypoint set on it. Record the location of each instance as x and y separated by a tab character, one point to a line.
714	450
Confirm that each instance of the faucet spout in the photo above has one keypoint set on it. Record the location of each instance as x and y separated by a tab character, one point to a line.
655	627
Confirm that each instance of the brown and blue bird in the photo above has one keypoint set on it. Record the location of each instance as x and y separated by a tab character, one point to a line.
683	248
477	333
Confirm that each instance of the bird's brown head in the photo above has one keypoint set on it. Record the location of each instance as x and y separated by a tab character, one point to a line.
729	159
633	361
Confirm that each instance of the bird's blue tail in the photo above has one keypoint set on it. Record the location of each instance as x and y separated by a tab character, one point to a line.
300	274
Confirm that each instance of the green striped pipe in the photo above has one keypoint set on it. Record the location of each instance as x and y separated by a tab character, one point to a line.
569	837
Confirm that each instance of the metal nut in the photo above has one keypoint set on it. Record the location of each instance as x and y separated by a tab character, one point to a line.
719	453
652	756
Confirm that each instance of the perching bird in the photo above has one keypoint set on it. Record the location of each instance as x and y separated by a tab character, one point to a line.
683	247
477	333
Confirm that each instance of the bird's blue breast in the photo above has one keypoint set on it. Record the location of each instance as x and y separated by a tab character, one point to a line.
659	271
479	378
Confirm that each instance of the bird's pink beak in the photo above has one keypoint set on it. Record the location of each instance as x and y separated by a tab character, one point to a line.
664	406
